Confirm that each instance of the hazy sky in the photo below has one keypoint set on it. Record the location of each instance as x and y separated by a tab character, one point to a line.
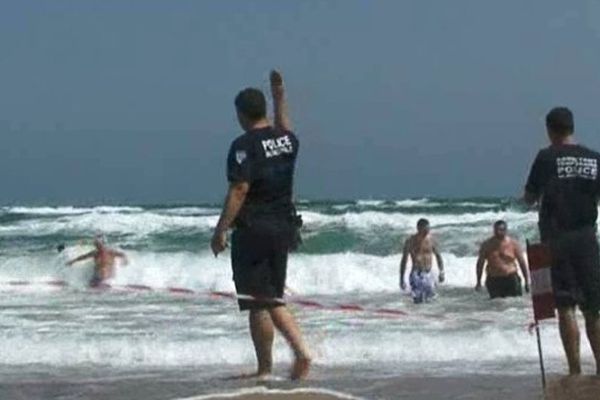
131	101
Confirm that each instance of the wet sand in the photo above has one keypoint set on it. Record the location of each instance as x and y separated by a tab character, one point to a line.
274	394
326	385
282	396
579	388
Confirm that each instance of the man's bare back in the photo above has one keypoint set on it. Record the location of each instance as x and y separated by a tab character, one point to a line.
104	261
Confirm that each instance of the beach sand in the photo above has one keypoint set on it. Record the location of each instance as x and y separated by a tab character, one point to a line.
326	385
578	388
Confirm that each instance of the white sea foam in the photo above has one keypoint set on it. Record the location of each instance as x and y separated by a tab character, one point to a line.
331	274
87	224
69	210
375	219
357	344
265	391
370	203
425	203
189	211
417	203
474	204
139	225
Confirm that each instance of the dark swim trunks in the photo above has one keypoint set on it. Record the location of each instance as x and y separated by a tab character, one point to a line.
576	269
504	286
259	255
97	282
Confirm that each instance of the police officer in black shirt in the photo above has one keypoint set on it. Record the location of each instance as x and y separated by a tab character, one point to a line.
564	179
259	208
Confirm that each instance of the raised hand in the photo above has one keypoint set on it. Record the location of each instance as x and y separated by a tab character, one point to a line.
280	109
277	89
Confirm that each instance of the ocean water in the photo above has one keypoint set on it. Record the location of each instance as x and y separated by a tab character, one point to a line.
351	255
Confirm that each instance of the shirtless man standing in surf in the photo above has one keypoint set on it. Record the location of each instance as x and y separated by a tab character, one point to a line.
421	247
104	262
502	253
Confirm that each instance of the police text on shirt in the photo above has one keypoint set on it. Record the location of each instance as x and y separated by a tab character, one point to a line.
576	167
278	146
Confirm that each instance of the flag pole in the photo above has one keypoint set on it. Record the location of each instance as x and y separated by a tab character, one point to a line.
541	354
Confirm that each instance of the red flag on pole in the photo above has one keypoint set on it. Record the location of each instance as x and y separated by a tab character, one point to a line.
540	263
541	281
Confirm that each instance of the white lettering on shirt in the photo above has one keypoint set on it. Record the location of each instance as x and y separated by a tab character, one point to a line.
577	167
278	146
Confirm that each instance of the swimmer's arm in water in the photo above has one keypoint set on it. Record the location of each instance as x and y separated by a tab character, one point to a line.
480	264
236	195
405	253
440	261
91	254
281	116
522	264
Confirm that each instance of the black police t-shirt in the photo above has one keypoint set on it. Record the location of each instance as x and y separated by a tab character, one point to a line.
566	179
266	159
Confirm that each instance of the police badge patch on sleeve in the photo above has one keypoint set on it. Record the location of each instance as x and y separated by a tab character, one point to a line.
240	156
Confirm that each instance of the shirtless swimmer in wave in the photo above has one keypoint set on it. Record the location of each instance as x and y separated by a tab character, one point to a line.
104	262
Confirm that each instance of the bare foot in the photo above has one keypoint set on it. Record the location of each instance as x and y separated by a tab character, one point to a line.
300	368
263	377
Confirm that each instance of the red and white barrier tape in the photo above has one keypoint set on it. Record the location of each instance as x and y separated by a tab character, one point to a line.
229	295
304	303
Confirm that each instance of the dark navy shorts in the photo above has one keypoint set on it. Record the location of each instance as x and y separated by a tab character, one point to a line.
259	255
576	269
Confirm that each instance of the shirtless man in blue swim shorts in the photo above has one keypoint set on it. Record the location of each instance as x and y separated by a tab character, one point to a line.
421	247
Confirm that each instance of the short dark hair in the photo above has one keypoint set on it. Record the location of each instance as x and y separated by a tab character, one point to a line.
560	120
500	223
60	248
251	103
422	223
